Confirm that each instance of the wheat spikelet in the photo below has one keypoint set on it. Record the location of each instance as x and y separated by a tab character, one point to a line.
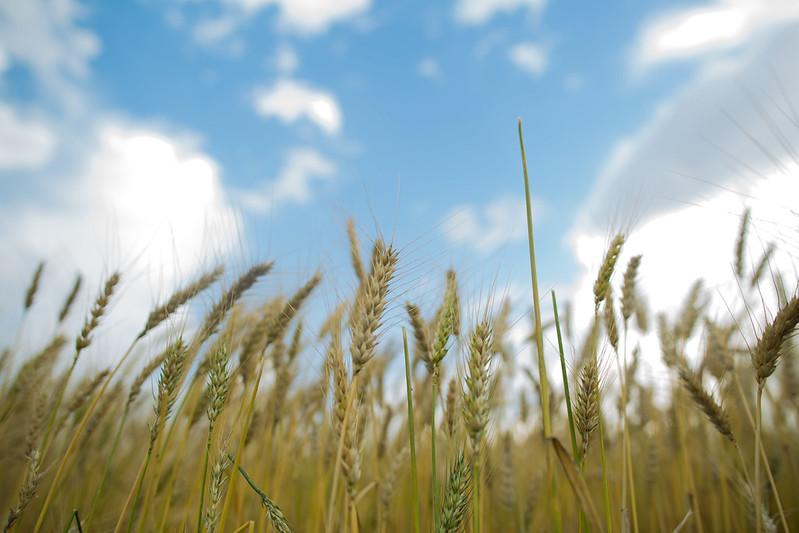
168	383
586	407
290	309
445	328
98	310
30	293
36	423
602	283
420	333
28	491
254	342
73	293
218	382
762	265
609	315
144	374
162	312
229	298
712	409
641	315
768	349
34	369
668	344
740	244
219	476
370	302
355	251
628	289
475	395
690	312
451	416
456	498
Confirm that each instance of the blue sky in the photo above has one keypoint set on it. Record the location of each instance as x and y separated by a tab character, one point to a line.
158	136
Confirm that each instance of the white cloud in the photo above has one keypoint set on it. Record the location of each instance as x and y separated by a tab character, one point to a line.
474	12
44	35
732	123
213	30
25	142
291	100
529	57
486	228
293	185
143	201
719	26
285	60
298	16
428	68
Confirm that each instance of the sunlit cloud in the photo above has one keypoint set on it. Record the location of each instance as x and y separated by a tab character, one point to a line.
290	100
722	25
302	168
473	12
529	57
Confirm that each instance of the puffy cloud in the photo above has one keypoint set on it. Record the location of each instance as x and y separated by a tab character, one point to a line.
302	167
529	58
297	16
291	100
44	36
475	12
713	133
141	200
721	25
25	142
486	228
213	30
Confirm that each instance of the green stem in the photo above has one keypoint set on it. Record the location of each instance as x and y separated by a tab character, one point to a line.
572	432
756	488
205	477
539	339
433	473
411	435
74	518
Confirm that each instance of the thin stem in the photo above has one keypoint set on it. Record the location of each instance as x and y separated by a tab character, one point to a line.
539	340
205	476
74	517
433	474
572	433
756	488
411	435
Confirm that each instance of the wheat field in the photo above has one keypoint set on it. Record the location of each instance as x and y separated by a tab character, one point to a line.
212	431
